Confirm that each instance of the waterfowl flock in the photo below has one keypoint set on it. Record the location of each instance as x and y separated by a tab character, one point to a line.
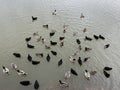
60	42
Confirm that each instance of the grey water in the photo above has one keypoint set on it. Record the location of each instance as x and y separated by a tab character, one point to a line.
101	17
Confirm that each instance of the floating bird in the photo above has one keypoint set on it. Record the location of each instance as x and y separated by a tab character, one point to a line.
25	83
30	46
82	16
93	72
72	59
39	54
101	37
88	38
61	43
60	62
36	85
54	53
48	57
78	41
29	58
47	47
80	61
87	75
87	49
74	72
18	55
106	46
107	75
96	37
67	75
107	68
14	66
53	43
52	33
84	30
45	26
34	18
86	59
21	73
5	70
28	39
54	13
63	84
35	62
61	38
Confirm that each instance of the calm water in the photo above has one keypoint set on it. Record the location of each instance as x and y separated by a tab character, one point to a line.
101	17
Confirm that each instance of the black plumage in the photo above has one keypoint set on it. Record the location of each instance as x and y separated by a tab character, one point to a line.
36	85
74	72
60	62
30	46
52	34
106	46
35	62
88	38
107	68
29	58
78	41
18	55
53	43
45	26
28	39
96	37
107	75
34	18
61	38
25	83
101	37
54	53
80	61
48	57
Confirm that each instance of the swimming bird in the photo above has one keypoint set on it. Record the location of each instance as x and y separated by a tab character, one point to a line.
52	33
34	18
80	61
5	70
54	53
82	16
107	68
35	62
48	57
63	84
88	38
87	75
93	72
25	83
87	49
47	47
101	37
84	30
74	72
21	72
28	39
60	62
29	58
53	43
30	46
61	43
86	59
96	37
107	75
67	75
39	54
45	26
78	41
54	13
14	66
18	55
106	46
61	38
36	85
72	59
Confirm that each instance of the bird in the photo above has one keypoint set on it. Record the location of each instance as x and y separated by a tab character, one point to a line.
34	19
39	54
36	85
18	55
25	83
35	62
54	53
27	39
5	70
21	72
30	46
93	72
48	57
74	72
45	26
82	16
106	46
72	59
60	62
63	84
107	75
52	33
87	49
67	75
101	37
88	38
86	59
53	43
80	61
78	41
61	38
14	66
47	47
107	68
87	75
96	37
29	58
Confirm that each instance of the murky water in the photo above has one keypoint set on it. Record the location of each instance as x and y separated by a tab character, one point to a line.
101	17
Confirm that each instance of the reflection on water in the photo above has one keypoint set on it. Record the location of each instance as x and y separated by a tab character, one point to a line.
101	17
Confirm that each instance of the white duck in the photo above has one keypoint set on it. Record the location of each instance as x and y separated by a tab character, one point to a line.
87	75
5	70
67	75
63	84
14	66
21	73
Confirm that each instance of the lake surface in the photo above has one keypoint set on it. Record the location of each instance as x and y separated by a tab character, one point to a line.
101	17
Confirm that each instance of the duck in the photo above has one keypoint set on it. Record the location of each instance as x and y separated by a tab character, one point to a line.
101	37
88	38
53	43
93	72
21	72
63	84
107	75
35	62
60	62
14	66
48	57
25	83
47	47
87	49
96	37
39	54
54	53
87	75
52	34
84	30
107	68
67	75
82	16
72	59
30	46
61	38
36	85
54	13
27	39
78	41
29	57
18	55
5	70
106	46
73	72
45	26
34	18
86	59
61	43
80	61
